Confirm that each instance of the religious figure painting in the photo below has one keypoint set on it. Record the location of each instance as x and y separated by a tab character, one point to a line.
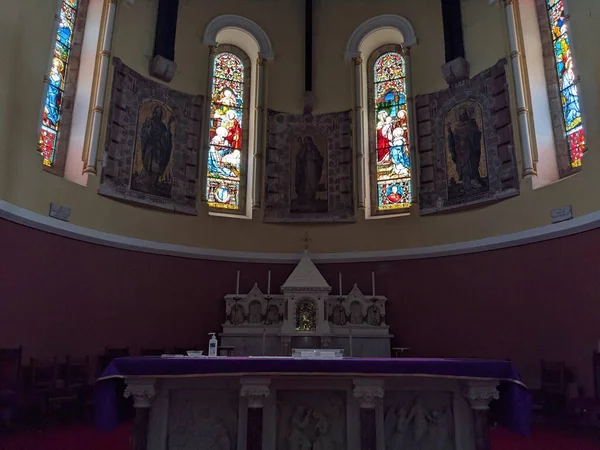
465	161
309	173
152	162
466	151
152	144
309	168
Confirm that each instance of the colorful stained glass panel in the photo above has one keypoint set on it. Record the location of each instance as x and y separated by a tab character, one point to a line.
50	133
226	132
392	156
566	80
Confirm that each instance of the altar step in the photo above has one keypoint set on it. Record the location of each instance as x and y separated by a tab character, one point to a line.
76	437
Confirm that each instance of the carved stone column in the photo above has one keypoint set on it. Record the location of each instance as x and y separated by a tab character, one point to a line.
358	131
256	391
143	393
203	165
369	393
480	394
259	145
522	109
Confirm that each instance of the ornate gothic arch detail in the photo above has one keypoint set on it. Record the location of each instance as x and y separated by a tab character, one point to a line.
219	23
399	23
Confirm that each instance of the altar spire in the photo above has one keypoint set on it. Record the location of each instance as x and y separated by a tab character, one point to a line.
306	275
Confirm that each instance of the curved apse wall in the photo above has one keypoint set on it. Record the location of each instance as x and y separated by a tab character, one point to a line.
22	183
63	296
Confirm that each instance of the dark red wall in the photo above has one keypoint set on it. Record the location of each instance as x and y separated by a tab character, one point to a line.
60	296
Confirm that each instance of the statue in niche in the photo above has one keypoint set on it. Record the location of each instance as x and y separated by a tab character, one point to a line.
439	430
309	169
254	312
338	316
236	317
373	316
466	162
151	173
356	317
273	317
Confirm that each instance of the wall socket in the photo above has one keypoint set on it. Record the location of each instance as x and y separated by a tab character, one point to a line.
561	214
60	212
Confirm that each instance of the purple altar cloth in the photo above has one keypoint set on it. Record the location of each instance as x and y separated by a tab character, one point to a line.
512	410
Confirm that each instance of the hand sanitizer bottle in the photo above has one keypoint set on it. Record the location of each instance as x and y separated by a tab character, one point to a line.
212	345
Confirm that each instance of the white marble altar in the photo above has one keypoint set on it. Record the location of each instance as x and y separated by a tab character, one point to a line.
311	413
305	315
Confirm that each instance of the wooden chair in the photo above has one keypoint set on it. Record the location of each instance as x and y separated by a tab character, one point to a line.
553	380
152	351
42	385
10	384
79	384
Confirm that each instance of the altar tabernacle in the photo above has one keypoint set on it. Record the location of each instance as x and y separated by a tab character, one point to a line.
293	403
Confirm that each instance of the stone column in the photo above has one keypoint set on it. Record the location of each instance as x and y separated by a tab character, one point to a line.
259	141
205	145
99	90
369	394
358	131
522	109
412	123
480	394
143	392
255	391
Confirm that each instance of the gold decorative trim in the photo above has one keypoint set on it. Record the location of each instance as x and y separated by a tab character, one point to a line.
105	53
98	109
522	110
312	374
515	54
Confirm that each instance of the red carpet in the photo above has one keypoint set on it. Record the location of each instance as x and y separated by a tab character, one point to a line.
86	437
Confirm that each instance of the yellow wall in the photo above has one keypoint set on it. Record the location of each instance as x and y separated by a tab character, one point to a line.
22	181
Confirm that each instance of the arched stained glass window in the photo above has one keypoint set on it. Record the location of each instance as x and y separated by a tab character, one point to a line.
567	81
228	130
57	78
390	155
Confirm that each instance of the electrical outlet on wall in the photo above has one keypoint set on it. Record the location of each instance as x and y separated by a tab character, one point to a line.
561	214
60	212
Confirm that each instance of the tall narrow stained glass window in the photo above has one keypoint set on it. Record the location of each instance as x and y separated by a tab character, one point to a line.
50	131
567	81
392	169
227	135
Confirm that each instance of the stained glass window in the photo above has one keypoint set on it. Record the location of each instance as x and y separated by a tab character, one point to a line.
50	132
567	81
392	154
226	132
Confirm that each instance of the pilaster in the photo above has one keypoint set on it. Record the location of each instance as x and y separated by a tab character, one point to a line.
358	130
369	394
143	392
256	391
259	141
479	394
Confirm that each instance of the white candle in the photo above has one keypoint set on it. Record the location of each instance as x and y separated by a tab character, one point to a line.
350	336
340	283
373	282
269	284
237	284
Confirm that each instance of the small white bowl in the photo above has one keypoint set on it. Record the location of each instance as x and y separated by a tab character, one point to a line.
195	353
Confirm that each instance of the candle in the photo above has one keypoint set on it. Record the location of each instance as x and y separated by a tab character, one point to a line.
340	283
350	337
373	282
237	284
269	284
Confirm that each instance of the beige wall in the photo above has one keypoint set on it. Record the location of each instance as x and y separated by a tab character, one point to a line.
23	182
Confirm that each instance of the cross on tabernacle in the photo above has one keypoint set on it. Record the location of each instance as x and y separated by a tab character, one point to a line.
308	56
306	239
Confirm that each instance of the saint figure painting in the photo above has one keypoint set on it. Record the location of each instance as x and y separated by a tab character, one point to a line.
465	153
154	145
309	167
